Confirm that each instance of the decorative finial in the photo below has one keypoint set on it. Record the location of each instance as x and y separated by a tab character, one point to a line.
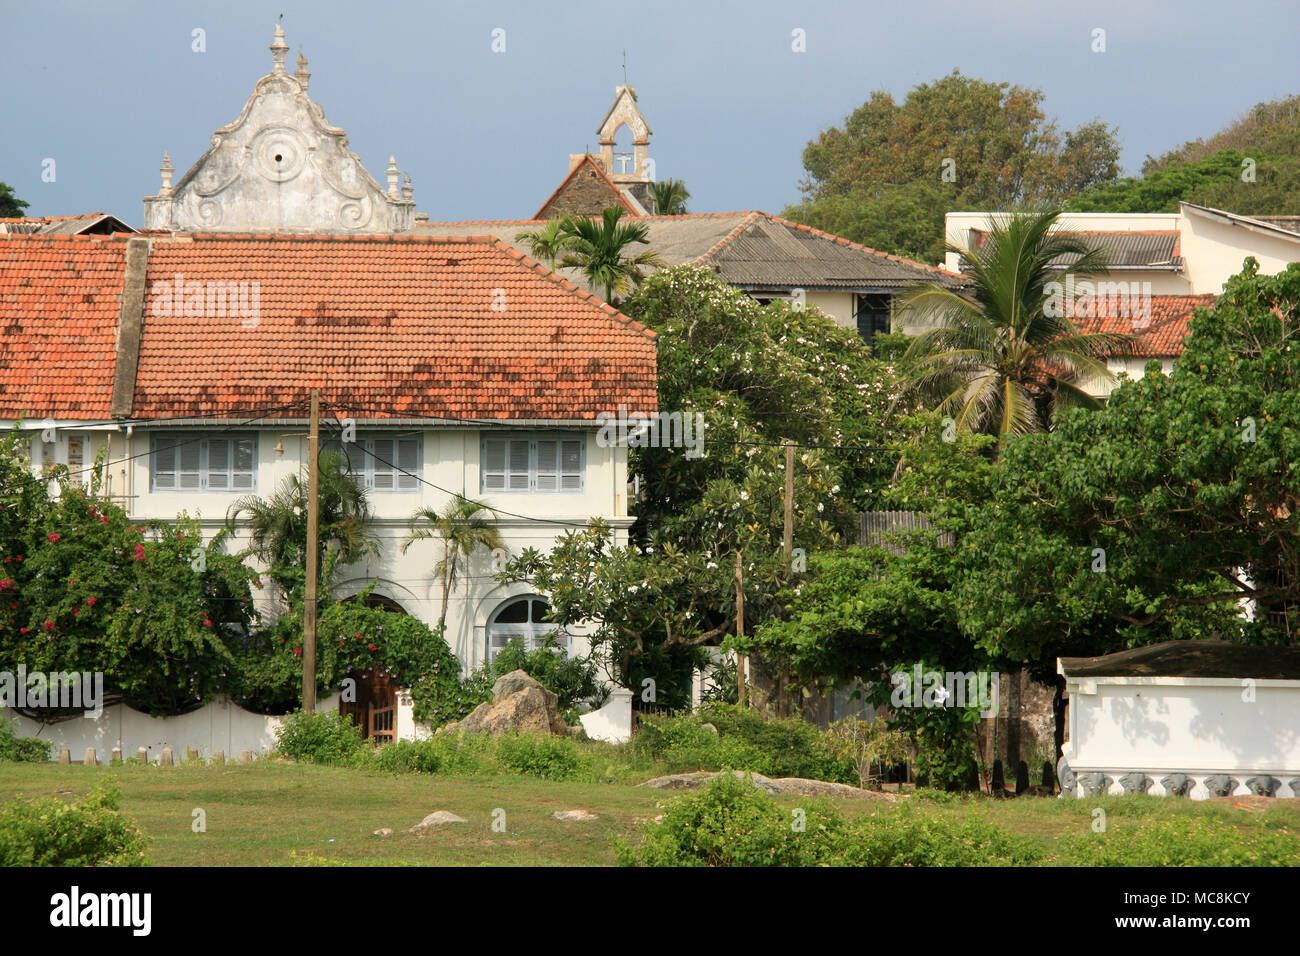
278	49
407	189
393	176
302	74
166	170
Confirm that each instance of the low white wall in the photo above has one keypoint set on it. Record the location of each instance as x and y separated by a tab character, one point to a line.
1199	727
218	725
613	722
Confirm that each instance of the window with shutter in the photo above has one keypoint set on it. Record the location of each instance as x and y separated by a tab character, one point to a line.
192	463
540	465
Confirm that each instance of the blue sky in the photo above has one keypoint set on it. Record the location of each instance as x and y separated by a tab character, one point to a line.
104	86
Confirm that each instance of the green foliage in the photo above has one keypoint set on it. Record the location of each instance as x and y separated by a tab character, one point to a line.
451	754
1005	356
745	740
865	744
542	755
160	613
669	196
324	736
879	178
89	832
11	207
21	749
729	822
1214	180
1177	841
601	251
905	836
462	527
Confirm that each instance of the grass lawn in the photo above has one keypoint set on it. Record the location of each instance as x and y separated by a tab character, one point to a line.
274	814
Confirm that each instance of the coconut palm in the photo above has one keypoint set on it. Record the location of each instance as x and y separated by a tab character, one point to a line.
1004	355
463	527
669	197
277	525
600	250
547	244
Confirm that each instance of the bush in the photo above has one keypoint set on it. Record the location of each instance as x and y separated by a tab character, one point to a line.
677	744
905	836
326	737
730	822
465	754
1178	841
541	755
49	832
790	747
21	749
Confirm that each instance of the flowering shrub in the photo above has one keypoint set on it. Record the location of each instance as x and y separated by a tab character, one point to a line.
21	749
153	607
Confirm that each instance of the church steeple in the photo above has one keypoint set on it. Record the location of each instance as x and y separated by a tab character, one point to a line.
635	172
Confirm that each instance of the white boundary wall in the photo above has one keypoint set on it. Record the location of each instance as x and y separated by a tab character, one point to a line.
1200	727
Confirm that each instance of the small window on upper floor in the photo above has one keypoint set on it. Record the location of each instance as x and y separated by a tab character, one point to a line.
199	463
384	463
534	464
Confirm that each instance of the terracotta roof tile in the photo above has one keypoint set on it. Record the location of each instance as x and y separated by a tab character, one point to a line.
421	327
1169	322
59	301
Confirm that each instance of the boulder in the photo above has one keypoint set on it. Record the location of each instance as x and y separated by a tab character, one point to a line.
788	786
575	815
436	819
519	704
384	832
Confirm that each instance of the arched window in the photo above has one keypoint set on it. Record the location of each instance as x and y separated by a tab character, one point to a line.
526	617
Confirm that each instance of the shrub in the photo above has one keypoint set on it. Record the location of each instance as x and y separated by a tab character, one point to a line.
91	832
790	747
465	754
864	744
21	749
683	743
326	737
541	755
904	836
730	822
1178	841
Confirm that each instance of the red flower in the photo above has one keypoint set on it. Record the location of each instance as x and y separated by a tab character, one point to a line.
297	652
372	647
53	537
91	601
76	611
207	622
22	630
49	625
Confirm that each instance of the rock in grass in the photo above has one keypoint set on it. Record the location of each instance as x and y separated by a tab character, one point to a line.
436	819
574	815
384	832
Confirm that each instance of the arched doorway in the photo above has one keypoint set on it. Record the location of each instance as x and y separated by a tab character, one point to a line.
375	708
527	617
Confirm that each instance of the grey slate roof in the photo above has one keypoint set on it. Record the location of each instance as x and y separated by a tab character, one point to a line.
1157	250
1220	659
95	222
750	250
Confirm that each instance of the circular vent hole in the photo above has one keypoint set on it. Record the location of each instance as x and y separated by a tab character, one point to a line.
278	158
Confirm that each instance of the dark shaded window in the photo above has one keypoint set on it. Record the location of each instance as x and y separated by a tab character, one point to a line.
872	312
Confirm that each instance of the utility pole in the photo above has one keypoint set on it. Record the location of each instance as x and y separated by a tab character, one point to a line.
740	632
309	610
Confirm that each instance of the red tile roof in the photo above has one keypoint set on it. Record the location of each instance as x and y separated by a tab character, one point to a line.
1159	335
388	326
58	325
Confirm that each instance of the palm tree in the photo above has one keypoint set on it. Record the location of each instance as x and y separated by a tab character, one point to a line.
278	525
548	244
1002	358
669	197
463	528
599	249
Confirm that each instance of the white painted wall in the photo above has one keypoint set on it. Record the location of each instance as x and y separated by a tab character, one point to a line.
1197	726
613	722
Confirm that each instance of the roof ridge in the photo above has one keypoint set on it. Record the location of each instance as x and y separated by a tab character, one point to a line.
587	159
749	220
857	245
